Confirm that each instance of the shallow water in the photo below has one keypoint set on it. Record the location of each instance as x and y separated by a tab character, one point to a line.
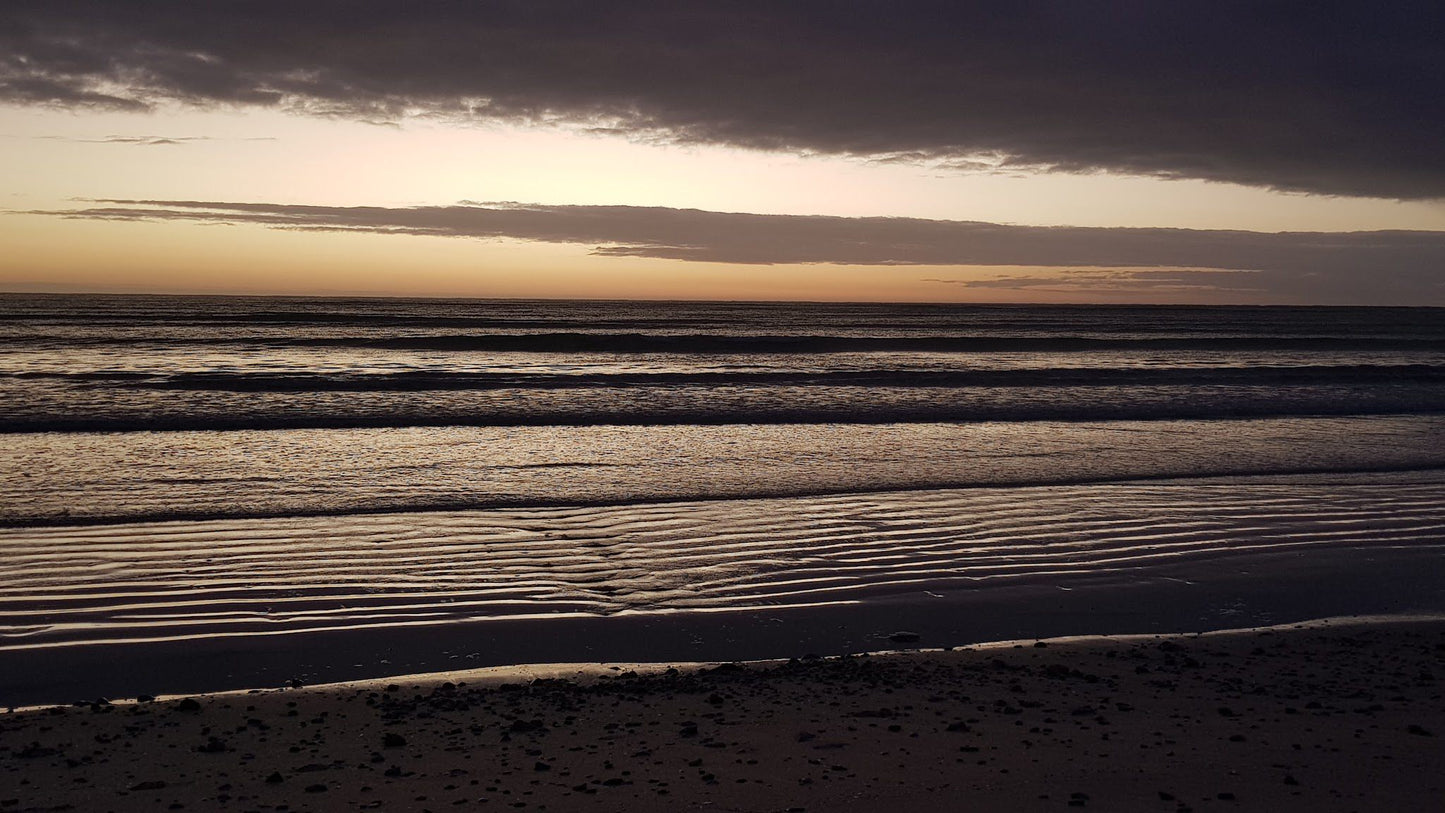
177	580
208	473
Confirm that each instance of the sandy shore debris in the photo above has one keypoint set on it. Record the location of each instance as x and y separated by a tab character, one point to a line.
1319	718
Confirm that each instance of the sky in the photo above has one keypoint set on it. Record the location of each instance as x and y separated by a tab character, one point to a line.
1218	152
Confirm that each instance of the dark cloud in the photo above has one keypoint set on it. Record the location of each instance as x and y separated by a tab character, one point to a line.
1317	97
146	140
1400	267
141	141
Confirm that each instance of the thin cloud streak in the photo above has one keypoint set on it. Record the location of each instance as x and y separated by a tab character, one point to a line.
135	141
148	140
1403	267
1297	96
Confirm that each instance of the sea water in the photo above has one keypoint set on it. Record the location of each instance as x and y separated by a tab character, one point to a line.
189	468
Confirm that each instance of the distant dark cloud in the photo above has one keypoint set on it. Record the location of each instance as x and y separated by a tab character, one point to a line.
1328	98
1400	267
140	141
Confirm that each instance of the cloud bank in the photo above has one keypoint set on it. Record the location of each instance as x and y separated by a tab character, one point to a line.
1379	267
1323	98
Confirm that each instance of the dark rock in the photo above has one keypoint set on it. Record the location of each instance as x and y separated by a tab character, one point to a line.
189	704
904	637
393	740
156	784
275	778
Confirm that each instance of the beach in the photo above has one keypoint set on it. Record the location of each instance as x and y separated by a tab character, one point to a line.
1342	715
767	407
618	556
178	607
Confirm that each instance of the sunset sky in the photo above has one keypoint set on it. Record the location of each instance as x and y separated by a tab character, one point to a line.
1045	152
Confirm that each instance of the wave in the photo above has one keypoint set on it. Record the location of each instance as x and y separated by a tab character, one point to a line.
1328	403
1055	377
420	505
718	344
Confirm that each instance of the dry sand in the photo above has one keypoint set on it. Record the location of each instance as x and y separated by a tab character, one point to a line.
1341	715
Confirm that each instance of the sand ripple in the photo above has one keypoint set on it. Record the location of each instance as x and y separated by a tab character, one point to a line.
157	581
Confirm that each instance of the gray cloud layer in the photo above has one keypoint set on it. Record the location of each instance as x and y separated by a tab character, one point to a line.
1395	267
1330	98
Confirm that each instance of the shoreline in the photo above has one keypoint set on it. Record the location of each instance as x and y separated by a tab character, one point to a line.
585	673
190	608
1332	714
1230	592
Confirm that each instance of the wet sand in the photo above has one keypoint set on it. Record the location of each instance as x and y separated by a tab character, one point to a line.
1339	715
198	607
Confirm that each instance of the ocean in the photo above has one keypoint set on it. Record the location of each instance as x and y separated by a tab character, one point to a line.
226	492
